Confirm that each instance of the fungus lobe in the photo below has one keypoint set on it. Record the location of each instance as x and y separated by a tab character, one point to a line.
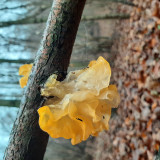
24	71
80	105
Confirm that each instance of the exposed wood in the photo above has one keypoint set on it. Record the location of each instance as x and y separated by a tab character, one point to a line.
27	140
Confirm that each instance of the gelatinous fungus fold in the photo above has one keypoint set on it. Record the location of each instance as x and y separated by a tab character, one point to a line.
24	71
81	104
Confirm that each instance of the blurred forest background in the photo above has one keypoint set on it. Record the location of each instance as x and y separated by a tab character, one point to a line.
127	34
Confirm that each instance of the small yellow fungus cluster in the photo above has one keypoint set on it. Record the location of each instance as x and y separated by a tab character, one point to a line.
81	104
24	71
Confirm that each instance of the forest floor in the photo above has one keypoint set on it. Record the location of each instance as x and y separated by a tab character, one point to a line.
134	132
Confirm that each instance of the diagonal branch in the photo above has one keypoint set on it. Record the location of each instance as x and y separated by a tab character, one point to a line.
27	140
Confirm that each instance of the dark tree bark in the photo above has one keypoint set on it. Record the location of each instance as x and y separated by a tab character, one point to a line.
27	140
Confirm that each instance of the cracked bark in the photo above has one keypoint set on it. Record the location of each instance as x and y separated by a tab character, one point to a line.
27	140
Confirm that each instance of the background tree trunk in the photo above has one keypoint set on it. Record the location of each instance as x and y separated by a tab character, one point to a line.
27	140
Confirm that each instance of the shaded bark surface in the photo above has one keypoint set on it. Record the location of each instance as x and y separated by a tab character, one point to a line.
27	140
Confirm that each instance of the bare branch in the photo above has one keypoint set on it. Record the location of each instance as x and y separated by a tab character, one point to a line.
27	140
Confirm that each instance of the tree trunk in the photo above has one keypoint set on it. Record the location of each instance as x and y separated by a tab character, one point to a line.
27	140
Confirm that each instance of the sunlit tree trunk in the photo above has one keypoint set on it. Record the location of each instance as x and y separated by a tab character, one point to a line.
27	140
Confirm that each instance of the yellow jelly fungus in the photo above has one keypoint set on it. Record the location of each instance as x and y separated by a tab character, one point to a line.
24	71
81	104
